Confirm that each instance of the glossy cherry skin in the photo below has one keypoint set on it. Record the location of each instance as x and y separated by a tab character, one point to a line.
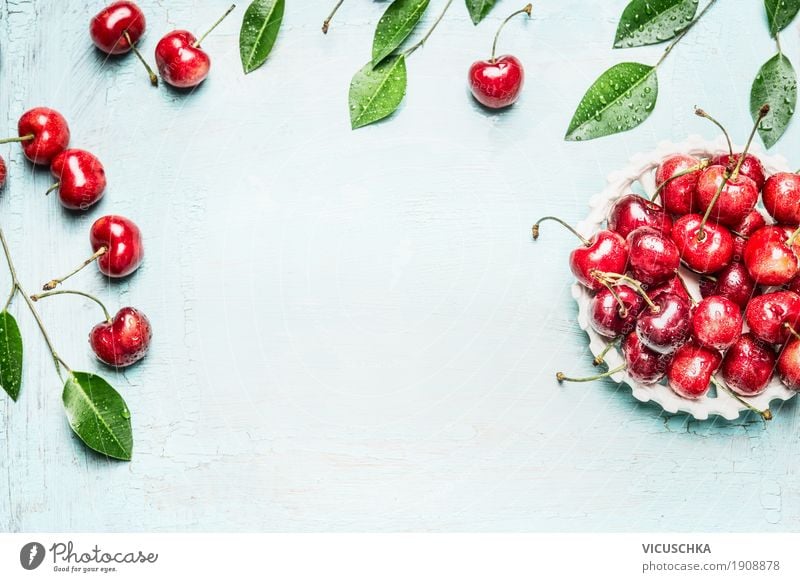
708	253
781	197
737	199
653	256
769	258
81	176
108	26
748	365
768	314
689	373
667	329
607	317
789	365
735	283
607	252
3	172
496	84
122	341
123	240
716	323
674	285
751	166
751	223
50	134
677	196
179	62
641	363
632	211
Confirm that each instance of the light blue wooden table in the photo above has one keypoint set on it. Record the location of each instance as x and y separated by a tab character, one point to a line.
353	330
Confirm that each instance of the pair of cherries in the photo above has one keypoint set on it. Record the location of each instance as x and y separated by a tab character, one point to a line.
44	135
180	60
708	222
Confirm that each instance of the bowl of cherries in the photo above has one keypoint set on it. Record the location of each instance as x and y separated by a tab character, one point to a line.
688	278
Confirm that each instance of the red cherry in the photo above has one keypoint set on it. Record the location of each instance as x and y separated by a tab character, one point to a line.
81	178
789	365
716	322
123	241
643	364
767	316
677	193
604	251
769	256
751	223
751	166
735	283
654	258
748	365
608	317
782	197
43	134
704	251
109	26
674	285
632	211
689	373
735	201
180	62
124	340
3	172
665	328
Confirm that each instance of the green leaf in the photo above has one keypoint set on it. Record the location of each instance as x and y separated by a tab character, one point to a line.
652	21
10	355
776	84
619	100
376	93
780	13
98	415
260	26
395	25
478	9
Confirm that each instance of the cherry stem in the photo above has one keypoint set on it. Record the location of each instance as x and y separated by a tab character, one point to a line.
17	286
793	237
527	10
561	377
604	277
52	188
327	22
684	33
701	165
599	358
700	113
792	330
765	414
35	298
153	77
49	286
762	113
623	310
535	229
701	231
436	22
685	288
196	43
28	137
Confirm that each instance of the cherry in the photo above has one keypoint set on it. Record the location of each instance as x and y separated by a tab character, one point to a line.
604	251
3	172
43	133
704	248
770	257
631	211
666	326
117	245
614	310
654	258
117	28
782	197
497	83
675	286
751	166
789	365
748	365
735	283
643	364
690	371
81	179
716	322
676	179
180	60
767	316
751	223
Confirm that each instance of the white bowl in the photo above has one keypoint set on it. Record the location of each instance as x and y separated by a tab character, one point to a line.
641	169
